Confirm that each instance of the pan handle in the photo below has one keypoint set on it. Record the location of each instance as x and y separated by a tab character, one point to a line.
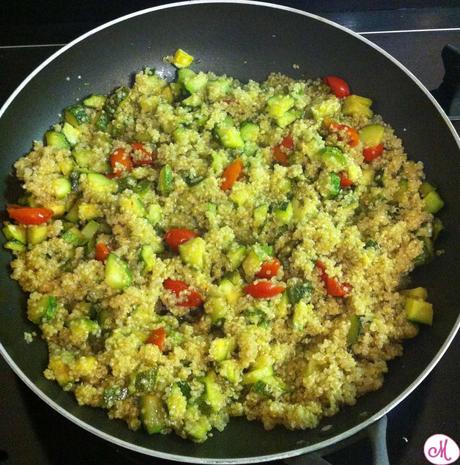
377	434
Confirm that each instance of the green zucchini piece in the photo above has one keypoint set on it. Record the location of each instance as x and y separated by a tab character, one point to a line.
251	264
213	393
37	234
148	257
72	214
165	180
249	131
145	381
230	137
14	232
433	202
15	246
114	99
426	188
419	311
354	329
357	106
298	291
71	134
90	229
261	370
61	187
333	158
76	115
278	105
153	414
283	213
74	237
302	313
221	348
192	252
100	183
56	139
95	101
416	293
230	370
287	118
117	273
112	395
236	256
154	214
371	135
43	310
260	215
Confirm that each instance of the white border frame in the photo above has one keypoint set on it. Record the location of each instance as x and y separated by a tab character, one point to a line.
265	458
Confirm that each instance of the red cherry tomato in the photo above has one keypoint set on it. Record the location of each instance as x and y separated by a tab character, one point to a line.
333	287
371	153
338	86
187	297
29	215
141	155
264	289
231	174
345	181
351	133
269	269
281	151
157	337
177	236
102	252
120	162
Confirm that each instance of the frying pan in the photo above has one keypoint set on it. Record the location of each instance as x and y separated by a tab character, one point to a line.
247	40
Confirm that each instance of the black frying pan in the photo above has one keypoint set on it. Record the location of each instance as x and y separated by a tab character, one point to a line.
246	40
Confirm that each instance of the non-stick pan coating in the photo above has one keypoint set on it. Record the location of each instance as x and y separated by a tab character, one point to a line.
247	41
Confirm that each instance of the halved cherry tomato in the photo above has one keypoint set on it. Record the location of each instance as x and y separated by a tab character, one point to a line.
120	162
345	181
338	86
101	252
177	236
269	269
281	151
371	153
351	133
263	289
333	287
231	174
187	296
157	337
29	215
142	155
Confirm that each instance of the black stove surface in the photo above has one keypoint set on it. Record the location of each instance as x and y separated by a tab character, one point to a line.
415	32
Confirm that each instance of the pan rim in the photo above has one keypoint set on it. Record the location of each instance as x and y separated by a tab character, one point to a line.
239	460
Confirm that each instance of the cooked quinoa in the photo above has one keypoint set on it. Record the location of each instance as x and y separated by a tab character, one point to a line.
208	248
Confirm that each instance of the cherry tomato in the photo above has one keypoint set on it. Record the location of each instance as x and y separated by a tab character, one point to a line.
264	289
101	251
281	151
338	86
187	296
371	153
157	337
345	181
29	215
231	174
142	155
121	162
333	287
269	269
351	133
177	236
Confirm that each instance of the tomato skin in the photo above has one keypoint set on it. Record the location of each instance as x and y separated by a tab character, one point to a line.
351	133
157	337
345	181
188	297
231	174
102	252
177	236
29	215
338	86
333	287
145	158
281	151
269	269
371	153
120	162
263	289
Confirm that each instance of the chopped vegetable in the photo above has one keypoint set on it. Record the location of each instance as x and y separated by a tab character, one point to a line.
345	181
264	289
344	132
141	156
338	86
121	162
157	337
231	174
165	180
371	153
56	139
14	232
433	202
419	311
357	106
182	59
29	215
102	251
333	287
269	269
192	252
371	135
354	329
177	236
117	273
187	297
298	291
281	151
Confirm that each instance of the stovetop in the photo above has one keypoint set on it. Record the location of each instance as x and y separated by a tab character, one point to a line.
31	432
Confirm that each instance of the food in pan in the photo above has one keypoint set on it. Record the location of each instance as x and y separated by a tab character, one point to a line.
205	248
